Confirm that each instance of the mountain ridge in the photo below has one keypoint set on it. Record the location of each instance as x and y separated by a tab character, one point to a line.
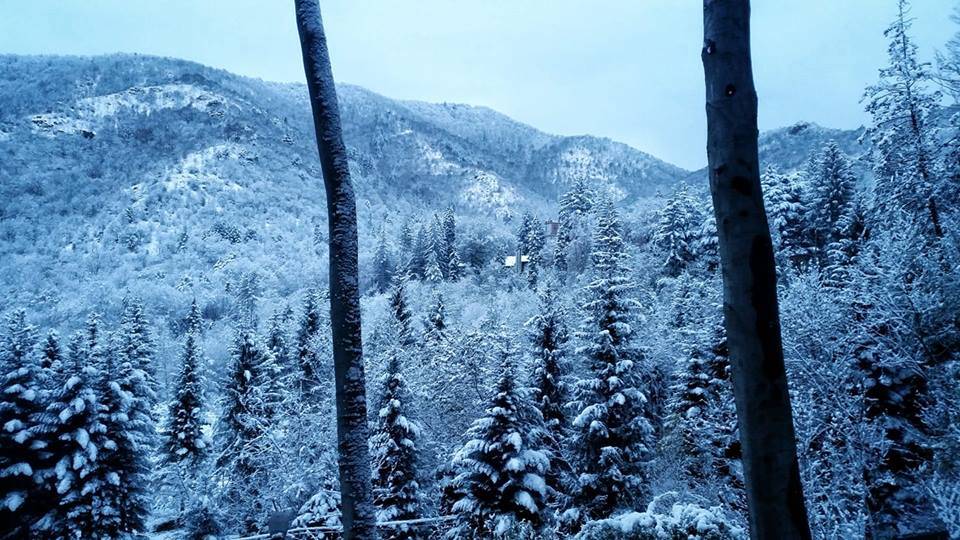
124	169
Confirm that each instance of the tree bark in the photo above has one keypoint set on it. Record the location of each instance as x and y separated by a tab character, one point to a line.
358	515
751	313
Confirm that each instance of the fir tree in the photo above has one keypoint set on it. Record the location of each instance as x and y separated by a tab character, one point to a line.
73	424
831	201
432	272
50	361
536	242
400	311
613	433
784	201
248	298
575	205
394	455
248	406
502	469
549	392
677	232
527	223
902	104
185	442
278	342
310	327
382	265
132	386
419	254
21	402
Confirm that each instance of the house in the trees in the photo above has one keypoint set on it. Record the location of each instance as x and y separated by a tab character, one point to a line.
552	227
510	262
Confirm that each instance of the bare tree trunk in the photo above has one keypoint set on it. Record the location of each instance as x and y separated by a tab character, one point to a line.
354	461
751	314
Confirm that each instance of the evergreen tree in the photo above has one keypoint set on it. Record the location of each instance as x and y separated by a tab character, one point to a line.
527	223
248	299
73	423
394	455
435	325
535	243
21	402
575	206
613	434
400	311
702	423
310	327
433	272
785	205
50	361
118	457
186	442
419	254
502	469
278	342
448	253
129	395
247	410
902	105
549	336
383	268
831	201
677	231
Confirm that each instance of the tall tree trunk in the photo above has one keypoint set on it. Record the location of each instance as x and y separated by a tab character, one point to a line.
354	459
751	314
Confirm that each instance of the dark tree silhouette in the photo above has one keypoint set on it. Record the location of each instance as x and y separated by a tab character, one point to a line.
751	314
352	433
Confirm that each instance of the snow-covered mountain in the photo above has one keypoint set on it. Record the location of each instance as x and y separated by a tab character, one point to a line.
122	169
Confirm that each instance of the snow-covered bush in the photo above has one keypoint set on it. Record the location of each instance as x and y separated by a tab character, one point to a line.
684	521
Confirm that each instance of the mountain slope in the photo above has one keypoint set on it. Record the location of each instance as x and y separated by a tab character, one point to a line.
122	170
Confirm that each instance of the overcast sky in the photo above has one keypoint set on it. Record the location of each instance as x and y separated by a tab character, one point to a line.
629	69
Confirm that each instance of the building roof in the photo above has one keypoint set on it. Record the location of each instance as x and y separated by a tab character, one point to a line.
511	260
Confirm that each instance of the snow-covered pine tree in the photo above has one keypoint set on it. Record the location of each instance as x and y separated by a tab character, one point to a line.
527	223
21	402
51	358
536	242
902	105
548	335
613	438
784	201
247	407
446	244
502	469
677	231
702	421
575	205
120	458
419	252
432	272
310	326
278	341
435	324
400	311
78	441
129	396
185	441
831	200
454	266
393	451
383	267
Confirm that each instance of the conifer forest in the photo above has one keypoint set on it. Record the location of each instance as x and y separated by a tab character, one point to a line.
242	309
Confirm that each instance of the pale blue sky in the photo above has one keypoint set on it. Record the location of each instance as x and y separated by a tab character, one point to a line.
629	69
